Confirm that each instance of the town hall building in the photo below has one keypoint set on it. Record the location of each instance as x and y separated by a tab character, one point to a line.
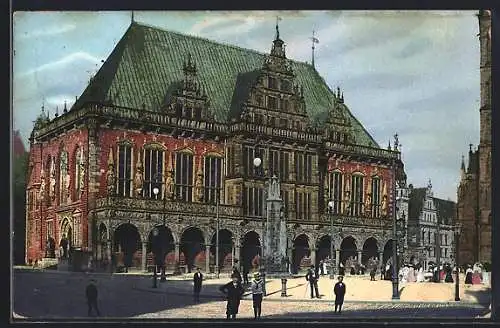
159	151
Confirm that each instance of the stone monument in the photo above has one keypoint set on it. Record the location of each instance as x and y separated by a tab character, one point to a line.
275	241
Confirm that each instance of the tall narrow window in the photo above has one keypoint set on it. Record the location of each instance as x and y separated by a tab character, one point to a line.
184	176
303	206
272	102
213	179
284	167
273	162
253	201
79	165
271	83
356	194
125	170
335	191
285	195
249	154
303	167
376	197
153	168
63	177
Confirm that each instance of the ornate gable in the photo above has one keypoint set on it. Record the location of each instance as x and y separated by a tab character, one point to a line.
274	99
188	98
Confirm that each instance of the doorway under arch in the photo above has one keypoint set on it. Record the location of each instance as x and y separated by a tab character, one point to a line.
225	250
251	251
370	253
164	246
127	245
348	250
300	253
323	252
192	247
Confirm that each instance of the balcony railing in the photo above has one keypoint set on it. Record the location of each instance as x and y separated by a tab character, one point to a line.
158	205
357	221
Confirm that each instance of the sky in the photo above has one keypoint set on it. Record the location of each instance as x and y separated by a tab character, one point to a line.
415	73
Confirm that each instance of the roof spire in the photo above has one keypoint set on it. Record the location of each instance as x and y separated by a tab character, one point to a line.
57	111
277	27
132	17
462	166
65	108
389	145
314	40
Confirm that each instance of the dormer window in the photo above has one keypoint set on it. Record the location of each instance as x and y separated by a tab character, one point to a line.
284	104
197	113
285	85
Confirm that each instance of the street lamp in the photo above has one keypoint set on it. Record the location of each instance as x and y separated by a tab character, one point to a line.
331	204
155	235
458	228
156	191
257	163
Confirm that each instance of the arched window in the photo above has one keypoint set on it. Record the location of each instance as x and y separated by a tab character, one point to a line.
335	190
184	176
213	178
63	177
376	199
356	194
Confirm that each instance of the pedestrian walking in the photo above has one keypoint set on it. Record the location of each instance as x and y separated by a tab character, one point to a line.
321	267
468	275
198	280
339	291
372	274
245	275
91	294
257	293
312	277
233	291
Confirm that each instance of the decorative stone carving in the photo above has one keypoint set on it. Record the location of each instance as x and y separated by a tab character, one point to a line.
82	171
198	185
347	202
52	191
110	175
368	205
383	207
138	177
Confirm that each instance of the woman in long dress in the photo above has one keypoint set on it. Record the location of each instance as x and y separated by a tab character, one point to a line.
420	275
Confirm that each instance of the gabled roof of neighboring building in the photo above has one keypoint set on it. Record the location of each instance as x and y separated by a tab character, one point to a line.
17	144
445	209
416	203
147	61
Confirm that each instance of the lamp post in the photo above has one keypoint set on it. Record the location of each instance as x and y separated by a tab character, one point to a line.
257	163
395	278
156	192
155	235
331	204
458	228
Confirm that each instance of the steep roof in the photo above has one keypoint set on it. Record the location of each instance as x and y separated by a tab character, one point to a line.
445	210
417	196
147	61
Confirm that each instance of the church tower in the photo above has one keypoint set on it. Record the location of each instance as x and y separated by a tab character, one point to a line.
484	148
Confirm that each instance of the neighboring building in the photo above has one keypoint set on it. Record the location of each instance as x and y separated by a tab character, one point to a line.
431	225
19	159
474	190
192	115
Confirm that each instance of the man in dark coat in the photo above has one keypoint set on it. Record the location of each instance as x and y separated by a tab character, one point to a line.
198	278
233	291
339	291
312	276
91	294
372	274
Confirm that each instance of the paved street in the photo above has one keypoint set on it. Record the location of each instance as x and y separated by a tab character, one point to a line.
62	295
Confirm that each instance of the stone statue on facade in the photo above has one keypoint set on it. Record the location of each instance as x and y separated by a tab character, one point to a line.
198	187
384	206
138	181
52	190
169	185
111	180
68	185
82	171
368	205
347	202
41	192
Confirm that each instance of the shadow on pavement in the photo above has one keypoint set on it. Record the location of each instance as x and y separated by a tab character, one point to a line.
63	296
424	312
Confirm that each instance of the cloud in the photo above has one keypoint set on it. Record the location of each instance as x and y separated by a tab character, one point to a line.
63	62
44	32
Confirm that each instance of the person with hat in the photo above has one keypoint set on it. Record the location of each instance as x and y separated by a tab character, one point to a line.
339	291
257	289
233	291
312	276
198	280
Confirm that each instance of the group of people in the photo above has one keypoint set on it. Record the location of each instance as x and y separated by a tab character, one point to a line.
312	276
